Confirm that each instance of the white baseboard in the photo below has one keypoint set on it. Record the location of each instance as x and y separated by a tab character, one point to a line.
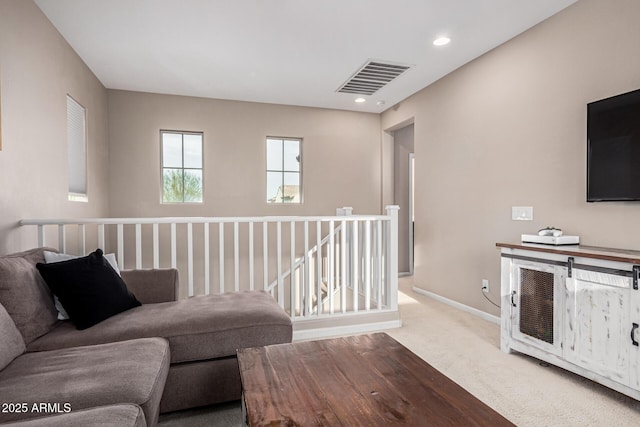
459	306
309	334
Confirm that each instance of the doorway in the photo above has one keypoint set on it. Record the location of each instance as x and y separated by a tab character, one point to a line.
403	194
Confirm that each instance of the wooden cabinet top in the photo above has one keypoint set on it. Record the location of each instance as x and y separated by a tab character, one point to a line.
609	254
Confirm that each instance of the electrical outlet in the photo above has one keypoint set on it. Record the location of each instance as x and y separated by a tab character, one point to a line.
485	285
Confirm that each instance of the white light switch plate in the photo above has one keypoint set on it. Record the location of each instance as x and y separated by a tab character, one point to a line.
522	213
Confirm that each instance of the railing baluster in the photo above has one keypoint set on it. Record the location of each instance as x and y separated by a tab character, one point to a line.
367	265
62	239
207	268
251	269
101	237
174	253
343	267
292	260
156	246
379	263
120	245
138	246
190	257
318	267
42	241
306	285
83	239
221	255
279	263
236	257
348	211
355	264
330	266
265	254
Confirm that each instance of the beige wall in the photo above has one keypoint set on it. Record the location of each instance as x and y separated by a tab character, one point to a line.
340	167
509	129
341	155
37	70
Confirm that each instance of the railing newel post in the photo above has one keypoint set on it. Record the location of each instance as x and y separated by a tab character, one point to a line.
392	257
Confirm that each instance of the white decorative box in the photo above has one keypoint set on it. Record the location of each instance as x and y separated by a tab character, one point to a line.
551	240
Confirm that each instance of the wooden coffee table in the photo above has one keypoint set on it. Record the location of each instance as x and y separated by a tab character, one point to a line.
367	380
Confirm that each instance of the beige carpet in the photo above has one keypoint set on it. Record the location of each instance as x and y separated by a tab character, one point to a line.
466	349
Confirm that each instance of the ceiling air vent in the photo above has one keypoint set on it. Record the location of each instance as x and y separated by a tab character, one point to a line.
373	76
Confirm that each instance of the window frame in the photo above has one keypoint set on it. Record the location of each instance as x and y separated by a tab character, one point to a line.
283	170
182	133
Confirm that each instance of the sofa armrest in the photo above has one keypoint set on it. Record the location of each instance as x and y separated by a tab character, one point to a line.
151	286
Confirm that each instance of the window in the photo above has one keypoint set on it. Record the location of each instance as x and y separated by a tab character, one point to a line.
77	150
284	170
181	167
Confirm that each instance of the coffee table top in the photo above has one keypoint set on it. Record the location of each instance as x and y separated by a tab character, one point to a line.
367	380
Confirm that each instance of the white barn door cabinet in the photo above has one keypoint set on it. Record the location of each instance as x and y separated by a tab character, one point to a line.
576	307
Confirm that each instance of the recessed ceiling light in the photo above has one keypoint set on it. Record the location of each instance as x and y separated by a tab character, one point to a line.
380	103
359	100
441	41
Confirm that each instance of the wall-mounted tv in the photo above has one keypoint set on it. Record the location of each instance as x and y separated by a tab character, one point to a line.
613	148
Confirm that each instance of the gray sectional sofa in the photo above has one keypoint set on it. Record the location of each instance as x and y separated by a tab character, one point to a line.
162	356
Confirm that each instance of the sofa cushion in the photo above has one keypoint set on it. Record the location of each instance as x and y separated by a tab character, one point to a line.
12	342
153	285
132	371
198	328
25	295
121	415
89	289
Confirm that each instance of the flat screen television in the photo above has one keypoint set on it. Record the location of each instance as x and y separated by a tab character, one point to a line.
613	148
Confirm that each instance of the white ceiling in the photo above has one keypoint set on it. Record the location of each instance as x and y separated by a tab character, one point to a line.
295	52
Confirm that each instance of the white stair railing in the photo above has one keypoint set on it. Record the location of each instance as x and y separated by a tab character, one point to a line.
314	266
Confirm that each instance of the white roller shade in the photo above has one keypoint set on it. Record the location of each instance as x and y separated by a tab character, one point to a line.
76	147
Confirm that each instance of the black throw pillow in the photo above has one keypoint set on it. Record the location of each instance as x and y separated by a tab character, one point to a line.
89	288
